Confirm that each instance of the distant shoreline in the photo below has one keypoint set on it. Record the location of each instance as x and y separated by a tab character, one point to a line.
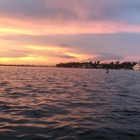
98	65
88	65
22	65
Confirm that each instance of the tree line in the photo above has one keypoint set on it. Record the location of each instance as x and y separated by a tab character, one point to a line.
97	64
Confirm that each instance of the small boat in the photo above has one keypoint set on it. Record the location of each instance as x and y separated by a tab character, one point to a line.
137	66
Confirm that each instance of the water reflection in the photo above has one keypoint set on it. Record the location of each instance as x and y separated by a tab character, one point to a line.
50	103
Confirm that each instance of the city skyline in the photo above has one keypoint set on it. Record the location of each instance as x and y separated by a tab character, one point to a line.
48	32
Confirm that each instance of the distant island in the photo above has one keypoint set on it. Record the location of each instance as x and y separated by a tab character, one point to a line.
98	65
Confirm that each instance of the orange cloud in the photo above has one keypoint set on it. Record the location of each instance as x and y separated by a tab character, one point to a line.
49	28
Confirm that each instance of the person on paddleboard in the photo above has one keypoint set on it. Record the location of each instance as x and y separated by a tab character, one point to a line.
107	70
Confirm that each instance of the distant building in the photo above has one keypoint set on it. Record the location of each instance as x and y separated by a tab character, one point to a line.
86	65
99	66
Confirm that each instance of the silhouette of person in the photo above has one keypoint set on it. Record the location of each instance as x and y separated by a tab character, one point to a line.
107	70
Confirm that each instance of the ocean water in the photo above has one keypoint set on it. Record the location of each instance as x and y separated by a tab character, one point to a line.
69	104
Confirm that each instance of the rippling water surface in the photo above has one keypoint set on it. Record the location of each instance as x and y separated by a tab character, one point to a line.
60	104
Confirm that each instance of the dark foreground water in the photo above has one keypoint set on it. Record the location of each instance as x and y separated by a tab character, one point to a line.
69	104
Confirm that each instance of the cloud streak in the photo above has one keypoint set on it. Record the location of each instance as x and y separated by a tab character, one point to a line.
106	57
13	54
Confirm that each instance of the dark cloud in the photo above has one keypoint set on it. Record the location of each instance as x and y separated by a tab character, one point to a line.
66	56
127	11
32	9
114	11
64	45
57	54
106	56
21	51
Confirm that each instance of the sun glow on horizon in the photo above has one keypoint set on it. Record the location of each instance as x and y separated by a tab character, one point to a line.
23	60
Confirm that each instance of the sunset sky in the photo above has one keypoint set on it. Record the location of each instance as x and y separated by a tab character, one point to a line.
52	31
